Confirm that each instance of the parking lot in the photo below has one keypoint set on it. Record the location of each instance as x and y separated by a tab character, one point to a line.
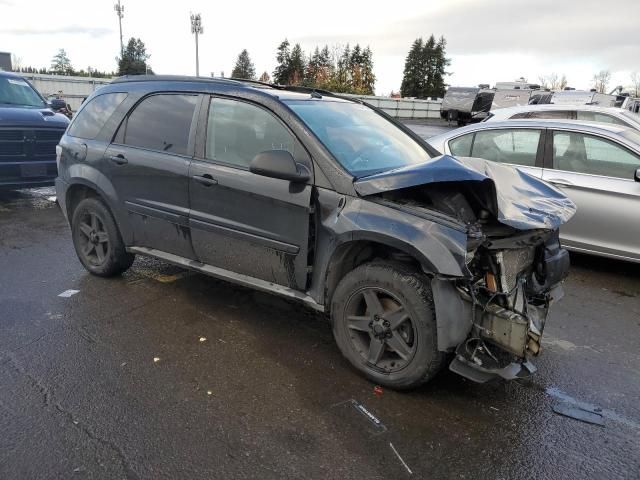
164	373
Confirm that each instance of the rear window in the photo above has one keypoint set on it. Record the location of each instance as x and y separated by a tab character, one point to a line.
92	117
161	122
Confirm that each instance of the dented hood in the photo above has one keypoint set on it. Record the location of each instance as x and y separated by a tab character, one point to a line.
523	201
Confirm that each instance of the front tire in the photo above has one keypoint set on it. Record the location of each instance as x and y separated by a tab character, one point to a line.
384	324
97	240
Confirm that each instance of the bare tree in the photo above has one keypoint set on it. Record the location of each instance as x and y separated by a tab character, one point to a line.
553	81
601	80
635	82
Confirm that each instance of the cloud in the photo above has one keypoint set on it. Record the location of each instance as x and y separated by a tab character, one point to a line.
567	31
68	30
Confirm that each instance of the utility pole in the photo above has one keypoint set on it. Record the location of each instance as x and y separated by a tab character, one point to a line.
196	28
120	12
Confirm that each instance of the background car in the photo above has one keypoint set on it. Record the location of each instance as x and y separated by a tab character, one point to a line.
29	133
596	165
583	113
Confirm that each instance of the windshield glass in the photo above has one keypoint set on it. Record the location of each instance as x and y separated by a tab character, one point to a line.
360	139
15	91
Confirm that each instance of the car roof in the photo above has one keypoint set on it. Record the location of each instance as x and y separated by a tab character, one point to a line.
592	127
215	84
552	106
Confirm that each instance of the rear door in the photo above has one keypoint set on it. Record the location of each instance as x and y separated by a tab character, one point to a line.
520	147
148	164
598	175
243	222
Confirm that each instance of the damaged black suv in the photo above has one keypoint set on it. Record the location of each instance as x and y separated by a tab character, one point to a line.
421	260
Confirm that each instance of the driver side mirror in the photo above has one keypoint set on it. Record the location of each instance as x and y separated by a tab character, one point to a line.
636	177
279	164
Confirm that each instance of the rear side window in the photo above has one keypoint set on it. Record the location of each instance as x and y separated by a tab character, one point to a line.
161	122
519	147
90	119
461	146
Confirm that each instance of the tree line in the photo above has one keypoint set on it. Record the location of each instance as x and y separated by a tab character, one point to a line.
341	69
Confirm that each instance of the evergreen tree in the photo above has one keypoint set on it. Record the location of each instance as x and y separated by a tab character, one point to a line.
311	74
134	59
413	76
283	69
297	65
244	67
425	69
60	63
368	77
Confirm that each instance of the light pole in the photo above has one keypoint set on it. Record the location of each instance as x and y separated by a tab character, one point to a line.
120	12
196	28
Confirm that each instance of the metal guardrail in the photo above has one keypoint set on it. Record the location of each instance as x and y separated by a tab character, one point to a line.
404	108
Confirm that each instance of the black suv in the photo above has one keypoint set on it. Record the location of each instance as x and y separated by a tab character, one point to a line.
420	259
29	133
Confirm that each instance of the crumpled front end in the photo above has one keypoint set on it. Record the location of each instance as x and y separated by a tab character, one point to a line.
494	315
507	300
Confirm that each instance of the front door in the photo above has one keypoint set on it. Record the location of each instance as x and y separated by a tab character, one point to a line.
243	222
148	165
598	175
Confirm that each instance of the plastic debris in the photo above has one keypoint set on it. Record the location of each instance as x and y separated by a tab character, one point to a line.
156	359
378	391
209	392
203	339
577	413
68	293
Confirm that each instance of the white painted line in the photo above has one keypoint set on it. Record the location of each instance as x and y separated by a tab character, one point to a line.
400	458
68	293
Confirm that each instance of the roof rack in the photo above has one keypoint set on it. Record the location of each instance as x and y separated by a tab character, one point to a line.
175	78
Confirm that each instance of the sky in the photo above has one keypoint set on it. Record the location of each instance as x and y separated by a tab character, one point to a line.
488	40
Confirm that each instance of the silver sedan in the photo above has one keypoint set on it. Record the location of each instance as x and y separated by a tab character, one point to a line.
595	165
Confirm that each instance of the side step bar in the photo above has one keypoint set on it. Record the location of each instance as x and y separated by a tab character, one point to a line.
237	278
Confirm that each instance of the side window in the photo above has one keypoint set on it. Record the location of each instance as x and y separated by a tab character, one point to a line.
551	114
575	152
461	146
92	117
161	122
600	117
519	147
237	131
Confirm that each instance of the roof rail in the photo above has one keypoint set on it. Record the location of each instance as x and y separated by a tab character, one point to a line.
175	78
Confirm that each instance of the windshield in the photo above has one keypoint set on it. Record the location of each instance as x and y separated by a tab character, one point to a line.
363	141
15	91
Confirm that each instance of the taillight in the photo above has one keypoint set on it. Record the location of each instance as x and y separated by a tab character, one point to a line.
58	155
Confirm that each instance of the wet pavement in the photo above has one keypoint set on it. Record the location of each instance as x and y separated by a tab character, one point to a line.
168	374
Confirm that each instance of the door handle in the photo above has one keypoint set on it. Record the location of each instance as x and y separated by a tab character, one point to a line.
206	180
560	181
118	159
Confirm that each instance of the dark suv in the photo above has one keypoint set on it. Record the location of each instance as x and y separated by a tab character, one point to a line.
324	200
29	133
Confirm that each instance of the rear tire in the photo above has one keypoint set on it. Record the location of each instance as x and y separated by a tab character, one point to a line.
97	239
384	324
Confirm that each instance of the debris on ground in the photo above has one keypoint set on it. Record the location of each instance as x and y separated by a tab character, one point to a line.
378	391
68	293
156	359
203	339
577	413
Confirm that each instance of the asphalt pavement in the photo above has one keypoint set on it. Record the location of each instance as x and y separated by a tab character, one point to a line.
168	374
